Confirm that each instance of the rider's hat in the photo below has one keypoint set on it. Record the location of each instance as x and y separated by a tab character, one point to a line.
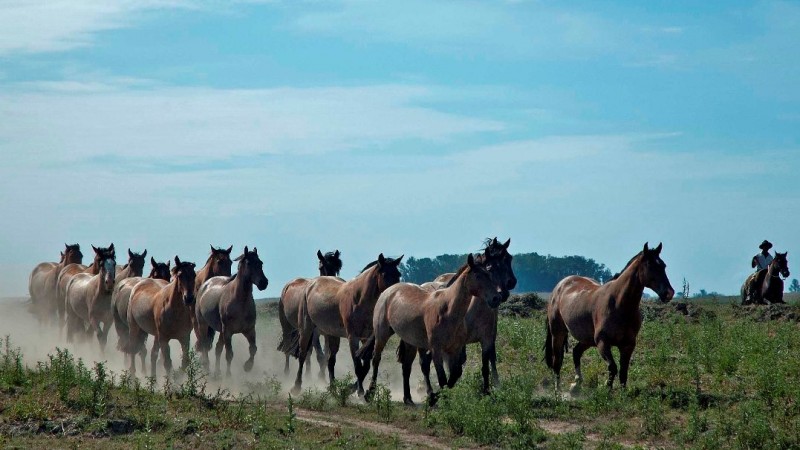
766	245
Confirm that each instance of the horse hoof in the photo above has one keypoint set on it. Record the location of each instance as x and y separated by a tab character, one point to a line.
433	398
296	389
408	402
248	365
369	395
575	389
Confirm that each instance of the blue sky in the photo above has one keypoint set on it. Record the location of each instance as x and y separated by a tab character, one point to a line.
400	127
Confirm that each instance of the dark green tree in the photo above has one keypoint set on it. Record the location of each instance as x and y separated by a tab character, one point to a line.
795	286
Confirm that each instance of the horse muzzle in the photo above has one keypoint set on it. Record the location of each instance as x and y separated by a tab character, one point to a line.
498	298
262	284
512	283
667	295
189	300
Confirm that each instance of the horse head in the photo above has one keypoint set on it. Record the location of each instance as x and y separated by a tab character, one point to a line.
183	274
72	254
497	260
482	283
388	272
781	264
653	273
329	264
219	262
107	264
251	268
159	270
136	262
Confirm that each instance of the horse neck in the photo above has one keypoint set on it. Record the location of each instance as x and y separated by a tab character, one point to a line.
628	289
458	296
367	284
175	299
94	269
242	287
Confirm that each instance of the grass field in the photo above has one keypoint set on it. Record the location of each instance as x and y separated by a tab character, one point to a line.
707	375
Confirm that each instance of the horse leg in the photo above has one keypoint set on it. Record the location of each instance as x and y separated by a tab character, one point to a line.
154	357
306	333
286	365
438	364
94	326
362	369
406	356
485	363
218	354
605	352
320	354
577	352
425	366
625	353
456	367
228	349
165	355
376	362
185	352
331	349
250	335
558	340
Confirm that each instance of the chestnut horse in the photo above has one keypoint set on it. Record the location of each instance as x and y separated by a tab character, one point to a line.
343	309
65	276
121	297
226	305
133	268
218	265
766	285
432	321
42	283
604	315
88	299
289	310
481	319
162	309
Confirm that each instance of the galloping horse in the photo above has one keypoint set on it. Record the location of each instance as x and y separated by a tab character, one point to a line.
218	264
122	296
226	305
432	321
65	276
162	309
88	299
604	315
289	311
766	285
481	319
42	283
133	268
343	309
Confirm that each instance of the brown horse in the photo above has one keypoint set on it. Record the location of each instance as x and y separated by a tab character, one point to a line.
162	309
88	299
133	268
42	283
121	297
481	319
226	305
766	285
218	265
343	309
432	321
604	315
65	276
289	311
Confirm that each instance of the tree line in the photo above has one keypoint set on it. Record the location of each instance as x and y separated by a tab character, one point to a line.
534	272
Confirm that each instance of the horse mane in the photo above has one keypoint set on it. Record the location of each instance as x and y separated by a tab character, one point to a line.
617	275
458	274
368	266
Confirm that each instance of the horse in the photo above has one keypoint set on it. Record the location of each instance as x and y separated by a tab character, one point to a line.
162	309
766	285
603	315
88	299
121	297
343	309
481	319
218	264
133	268
226	305
292	296
432	321
42	283
65	276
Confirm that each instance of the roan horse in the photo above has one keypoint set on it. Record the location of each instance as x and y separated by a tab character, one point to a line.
432	321
604	315
226	305
343	309
88	299
481	319
122	296
162	309
42	283
65	276
218	264
289	311
766	285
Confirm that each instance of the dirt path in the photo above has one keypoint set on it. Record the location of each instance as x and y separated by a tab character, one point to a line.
412	439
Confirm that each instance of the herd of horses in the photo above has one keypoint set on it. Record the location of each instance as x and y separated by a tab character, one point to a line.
435	320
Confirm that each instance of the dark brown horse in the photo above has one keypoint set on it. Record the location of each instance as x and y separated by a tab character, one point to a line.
226	305
42	283
604	315
65	276
122	296
343	309
766	285
134	267
88	300
481	318
162	310
432	321
289	311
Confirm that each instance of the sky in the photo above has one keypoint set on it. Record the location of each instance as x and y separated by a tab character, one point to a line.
415	127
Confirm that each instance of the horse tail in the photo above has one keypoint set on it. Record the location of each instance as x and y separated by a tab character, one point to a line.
290	336
366	351
548	345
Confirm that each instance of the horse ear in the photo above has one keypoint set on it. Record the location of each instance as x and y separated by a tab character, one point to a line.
658	249
228	251
212	248
470	260
336	253
255	250
94	248
381	260
646	249
508	242
319	255
177	261
130	254
153	261
111	247
66	246
246	251
494	241
144	255
398	260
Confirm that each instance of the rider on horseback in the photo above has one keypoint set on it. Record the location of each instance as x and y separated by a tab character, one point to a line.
763	258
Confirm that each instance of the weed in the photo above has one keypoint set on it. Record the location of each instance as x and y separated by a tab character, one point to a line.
342	388
382	402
